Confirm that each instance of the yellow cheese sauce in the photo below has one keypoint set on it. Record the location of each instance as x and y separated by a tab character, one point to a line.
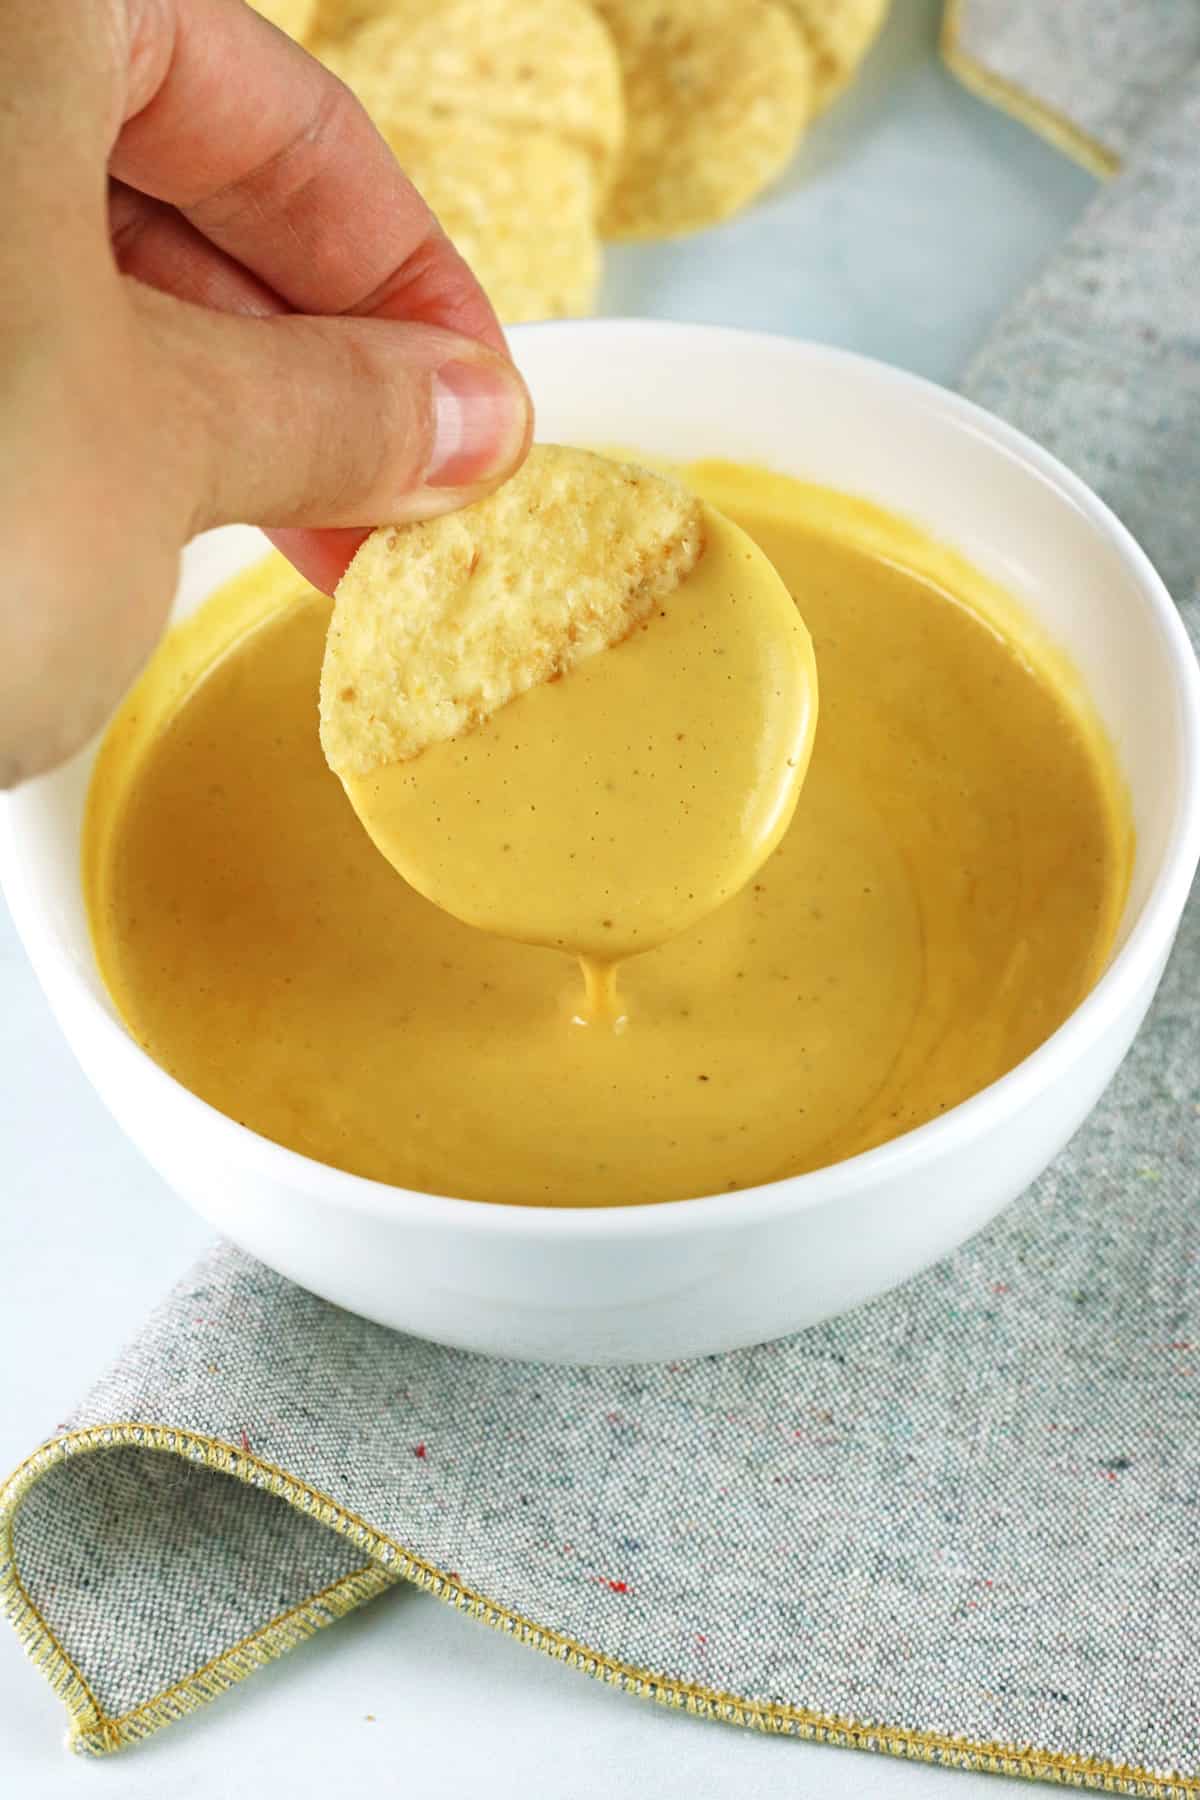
946	893
606	812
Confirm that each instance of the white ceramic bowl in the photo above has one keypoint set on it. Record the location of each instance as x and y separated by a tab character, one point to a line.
646	1283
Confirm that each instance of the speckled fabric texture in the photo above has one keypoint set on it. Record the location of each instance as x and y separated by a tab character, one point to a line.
1100	360
961	1523
1102	67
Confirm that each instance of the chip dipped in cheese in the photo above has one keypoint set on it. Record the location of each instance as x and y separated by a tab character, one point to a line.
577	714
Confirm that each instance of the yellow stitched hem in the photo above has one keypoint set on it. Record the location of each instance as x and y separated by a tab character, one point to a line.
1054	126
388	1562
92	1731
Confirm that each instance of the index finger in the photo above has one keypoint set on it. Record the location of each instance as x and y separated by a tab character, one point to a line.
275	162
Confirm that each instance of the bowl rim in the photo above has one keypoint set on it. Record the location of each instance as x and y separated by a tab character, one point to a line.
1149	938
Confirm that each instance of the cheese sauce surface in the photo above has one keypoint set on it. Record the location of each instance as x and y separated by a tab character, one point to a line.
608	811
946	892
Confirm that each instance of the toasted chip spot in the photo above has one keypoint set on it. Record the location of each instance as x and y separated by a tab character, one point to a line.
716	99
436	626
839	33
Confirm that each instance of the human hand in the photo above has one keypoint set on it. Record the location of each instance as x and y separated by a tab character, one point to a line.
220	300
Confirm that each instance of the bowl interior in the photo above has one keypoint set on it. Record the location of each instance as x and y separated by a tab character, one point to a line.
684	392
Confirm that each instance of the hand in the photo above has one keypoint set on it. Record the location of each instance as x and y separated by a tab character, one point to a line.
220	300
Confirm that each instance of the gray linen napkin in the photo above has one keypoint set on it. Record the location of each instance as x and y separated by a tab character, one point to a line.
961	1524
1089	74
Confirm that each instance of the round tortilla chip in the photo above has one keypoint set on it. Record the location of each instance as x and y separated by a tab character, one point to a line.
436	626
519	206
543	65
716	97
839	33
297	17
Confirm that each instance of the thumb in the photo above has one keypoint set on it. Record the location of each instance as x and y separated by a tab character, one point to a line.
294	421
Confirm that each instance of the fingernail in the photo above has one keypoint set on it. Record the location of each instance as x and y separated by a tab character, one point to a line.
481	413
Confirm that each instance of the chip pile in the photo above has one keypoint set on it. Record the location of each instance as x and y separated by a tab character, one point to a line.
535	128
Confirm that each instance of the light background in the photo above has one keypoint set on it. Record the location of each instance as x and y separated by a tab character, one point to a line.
911	216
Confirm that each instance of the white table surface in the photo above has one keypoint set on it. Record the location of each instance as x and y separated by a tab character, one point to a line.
911	217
